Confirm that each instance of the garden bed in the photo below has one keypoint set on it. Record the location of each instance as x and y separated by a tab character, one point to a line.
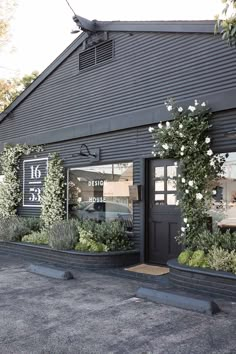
89	260
210	282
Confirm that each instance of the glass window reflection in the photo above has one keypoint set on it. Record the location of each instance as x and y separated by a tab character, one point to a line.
101	193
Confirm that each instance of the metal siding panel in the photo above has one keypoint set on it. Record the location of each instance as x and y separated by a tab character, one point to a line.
129	145
148	68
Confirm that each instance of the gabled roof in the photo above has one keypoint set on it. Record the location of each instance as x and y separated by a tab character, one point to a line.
110	26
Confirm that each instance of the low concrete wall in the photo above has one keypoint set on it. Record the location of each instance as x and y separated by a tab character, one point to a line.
71	258
209	282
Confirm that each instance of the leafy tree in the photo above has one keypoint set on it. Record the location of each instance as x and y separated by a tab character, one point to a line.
6	10
227	26
10	89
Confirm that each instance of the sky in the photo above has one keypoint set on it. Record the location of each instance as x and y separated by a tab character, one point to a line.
41	29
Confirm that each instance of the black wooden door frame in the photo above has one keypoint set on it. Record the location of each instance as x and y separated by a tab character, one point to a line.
145	243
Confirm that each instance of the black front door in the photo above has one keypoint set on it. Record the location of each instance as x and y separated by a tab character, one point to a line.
164	217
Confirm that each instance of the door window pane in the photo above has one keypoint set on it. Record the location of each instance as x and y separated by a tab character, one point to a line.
159	186
171	185
171	171
171	199
101	193
159	172
159	199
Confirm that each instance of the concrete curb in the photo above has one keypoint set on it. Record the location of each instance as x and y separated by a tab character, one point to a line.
181	301
50	272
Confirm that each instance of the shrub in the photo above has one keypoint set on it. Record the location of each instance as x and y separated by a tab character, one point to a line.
87	243
220	259
13	228
206	240
34	224
63	235
38	238
185	256
198	259
110	234
233	263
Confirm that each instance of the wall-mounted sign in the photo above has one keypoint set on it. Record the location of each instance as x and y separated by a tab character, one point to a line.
34	172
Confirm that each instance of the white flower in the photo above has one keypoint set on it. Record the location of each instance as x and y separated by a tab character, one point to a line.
187	225
214	192
183	180
195	142
160	125
153	153
190	183
212	162
165	146
199	196
207	140
195	102
177	202
203	104
179	176
169	108
181	135
182	229
150	129
181	126
182	148
185	220
182	154
186	191
209	152
176	163
192	108
180	109
167	124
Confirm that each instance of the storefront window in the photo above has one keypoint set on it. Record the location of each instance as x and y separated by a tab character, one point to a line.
101	193
223	209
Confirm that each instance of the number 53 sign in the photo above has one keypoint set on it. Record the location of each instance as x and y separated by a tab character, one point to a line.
34	172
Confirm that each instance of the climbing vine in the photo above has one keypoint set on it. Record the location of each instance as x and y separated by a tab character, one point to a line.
53	197
186	140
10	193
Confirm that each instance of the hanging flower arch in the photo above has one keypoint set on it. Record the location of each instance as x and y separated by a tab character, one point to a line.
186	139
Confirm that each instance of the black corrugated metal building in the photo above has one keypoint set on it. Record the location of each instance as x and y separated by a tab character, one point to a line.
104	91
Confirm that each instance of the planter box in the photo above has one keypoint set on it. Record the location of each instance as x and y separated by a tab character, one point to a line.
72	258
209	282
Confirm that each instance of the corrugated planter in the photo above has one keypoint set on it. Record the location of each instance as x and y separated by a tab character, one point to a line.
89	260
212	283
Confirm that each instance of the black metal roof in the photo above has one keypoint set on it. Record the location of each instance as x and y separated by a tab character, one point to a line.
111	26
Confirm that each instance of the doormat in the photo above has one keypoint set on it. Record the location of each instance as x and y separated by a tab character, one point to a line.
148	269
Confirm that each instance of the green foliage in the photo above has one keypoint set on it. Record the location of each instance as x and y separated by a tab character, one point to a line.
227	25
220	259
103	237
13	228
87	243
52	201
11	89
198	259
206	240
34	224
186	140
10	194
63	235
185	256
37	238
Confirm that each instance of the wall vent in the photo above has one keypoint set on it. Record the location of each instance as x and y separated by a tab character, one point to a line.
96	55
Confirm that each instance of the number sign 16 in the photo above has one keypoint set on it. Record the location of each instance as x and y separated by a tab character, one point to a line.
35	172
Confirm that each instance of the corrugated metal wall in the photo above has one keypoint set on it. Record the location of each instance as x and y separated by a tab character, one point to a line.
147	68
130	145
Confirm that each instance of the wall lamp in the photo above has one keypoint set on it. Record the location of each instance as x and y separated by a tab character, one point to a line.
94	155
